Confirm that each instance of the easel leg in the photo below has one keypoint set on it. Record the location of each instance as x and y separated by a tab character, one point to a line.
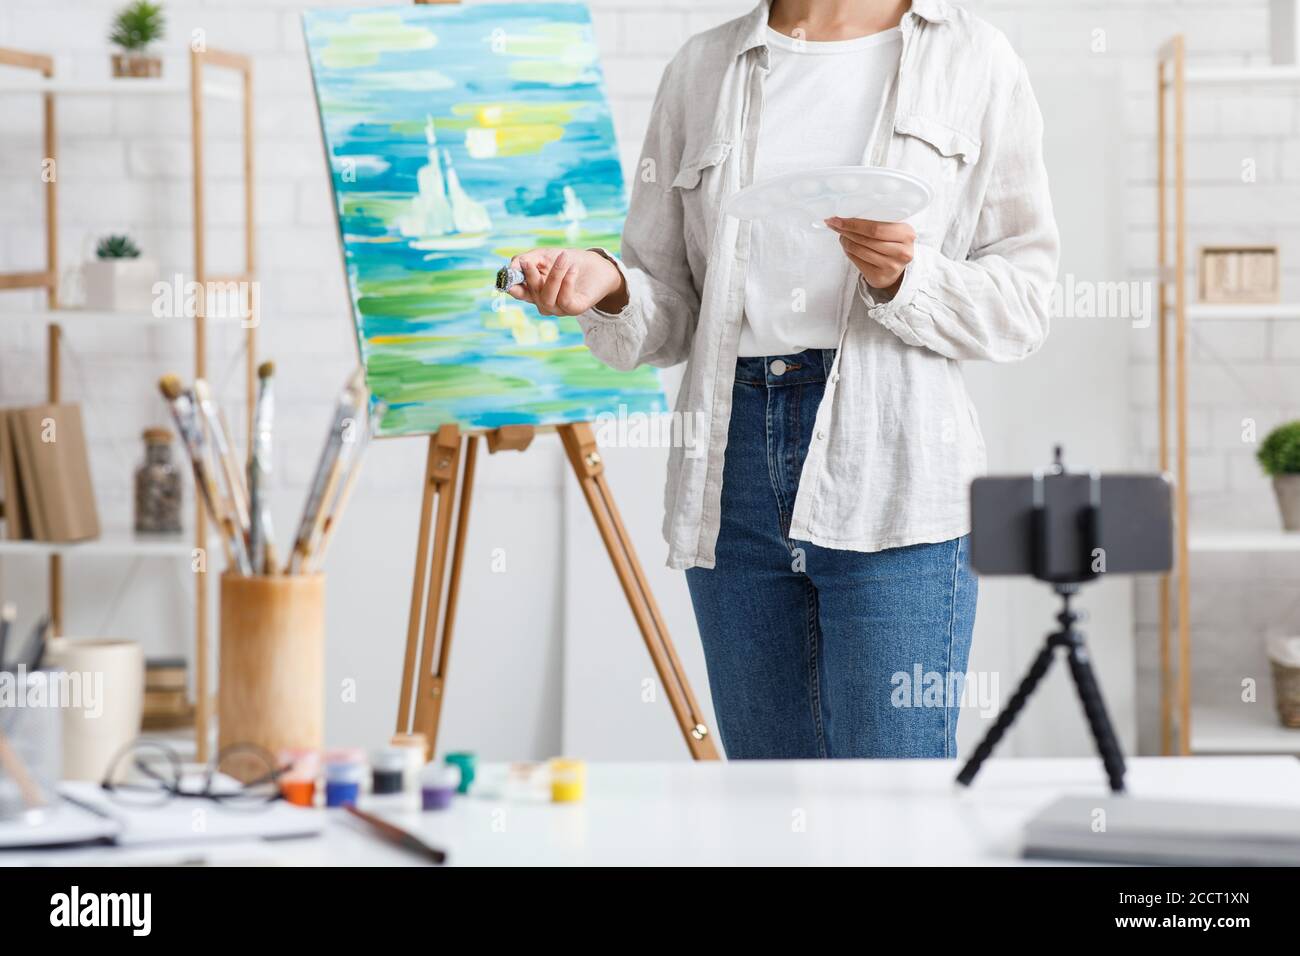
584	457
420	704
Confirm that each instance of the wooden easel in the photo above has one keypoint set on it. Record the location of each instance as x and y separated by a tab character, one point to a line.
435	587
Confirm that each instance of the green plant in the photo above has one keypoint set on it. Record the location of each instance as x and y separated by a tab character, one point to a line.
137	25
117	247
1280	452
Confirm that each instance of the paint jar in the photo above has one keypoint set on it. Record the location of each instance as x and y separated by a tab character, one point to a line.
298	782
300	793
464	761
438	783
527	782
568	780
344	772
387	767
416	748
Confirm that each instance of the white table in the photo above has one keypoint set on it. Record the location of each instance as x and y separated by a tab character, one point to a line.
795	812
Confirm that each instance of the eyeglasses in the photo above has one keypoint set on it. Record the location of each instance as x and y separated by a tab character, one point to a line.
149	774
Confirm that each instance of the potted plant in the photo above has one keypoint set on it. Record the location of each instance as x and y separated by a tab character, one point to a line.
119	279
135	27
1280	457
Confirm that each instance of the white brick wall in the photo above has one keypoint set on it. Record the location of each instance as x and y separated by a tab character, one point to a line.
125	166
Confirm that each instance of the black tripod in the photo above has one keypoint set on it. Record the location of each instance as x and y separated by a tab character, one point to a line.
1085	683
1066	584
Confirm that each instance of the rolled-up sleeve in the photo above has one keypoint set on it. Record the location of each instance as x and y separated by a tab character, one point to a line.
658	323
994	305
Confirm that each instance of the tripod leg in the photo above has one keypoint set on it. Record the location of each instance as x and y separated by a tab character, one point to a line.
1009	713
584	456
1098	718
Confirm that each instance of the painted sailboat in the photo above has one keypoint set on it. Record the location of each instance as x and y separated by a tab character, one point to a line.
442	215
573	213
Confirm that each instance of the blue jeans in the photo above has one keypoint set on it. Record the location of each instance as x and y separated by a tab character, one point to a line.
811	651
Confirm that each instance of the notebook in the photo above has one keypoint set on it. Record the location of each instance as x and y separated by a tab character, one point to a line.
11	492
1128	829
54	472
88	814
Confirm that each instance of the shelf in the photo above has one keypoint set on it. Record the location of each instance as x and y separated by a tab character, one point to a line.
117	543
134	86
1243	542
1241	729
75	317
1242	75
1272	310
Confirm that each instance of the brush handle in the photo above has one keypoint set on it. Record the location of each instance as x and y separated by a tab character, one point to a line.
349	408
186	418
14	765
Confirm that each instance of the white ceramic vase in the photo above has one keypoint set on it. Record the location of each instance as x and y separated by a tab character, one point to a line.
105	716
120	285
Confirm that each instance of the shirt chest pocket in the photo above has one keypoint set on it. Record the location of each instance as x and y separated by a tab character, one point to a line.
700	182
943	156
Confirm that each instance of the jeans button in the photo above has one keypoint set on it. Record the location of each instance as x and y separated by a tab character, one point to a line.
777	367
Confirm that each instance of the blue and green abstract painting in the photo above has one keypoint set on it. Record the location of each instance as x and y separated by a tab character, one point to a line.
458	136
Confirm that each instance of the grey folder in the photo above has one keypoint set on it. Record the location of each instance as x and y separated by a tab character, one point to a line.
1164	832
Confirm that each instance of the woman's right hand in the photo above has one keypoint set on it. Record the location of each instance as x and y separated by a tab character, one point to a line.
569	281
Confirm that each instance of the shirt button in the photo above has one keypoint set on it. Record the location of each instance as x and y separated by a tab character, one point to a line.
821	435
835	377
778	367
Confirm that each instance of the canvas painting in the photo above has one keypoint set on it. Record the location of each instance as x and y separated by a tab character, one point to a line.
458	136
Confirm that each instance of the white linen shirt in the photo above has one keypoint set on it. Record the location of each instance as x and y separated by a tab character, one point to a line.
896	440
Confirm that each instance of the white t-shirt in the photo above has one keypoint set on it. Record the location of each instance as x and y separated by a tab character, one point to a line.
820	103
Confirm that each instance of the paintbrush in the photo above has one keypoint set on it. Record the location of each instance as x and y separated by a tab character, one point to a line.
7	615
259	469
185	415
397	836
324	482
37	642
353	470
226	458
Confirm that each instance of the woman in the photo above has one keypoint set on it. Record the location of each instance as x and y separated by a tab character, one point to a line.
823	522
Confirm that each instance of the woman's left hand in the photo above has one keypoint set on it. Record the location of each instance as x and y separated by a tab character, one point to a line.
880	250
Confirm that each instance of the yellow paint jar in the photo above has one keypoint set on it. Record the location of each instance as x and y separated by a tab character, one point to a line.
568	780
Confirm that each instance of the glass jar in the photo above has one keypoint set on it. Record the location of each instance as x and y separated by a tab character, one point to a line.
158	486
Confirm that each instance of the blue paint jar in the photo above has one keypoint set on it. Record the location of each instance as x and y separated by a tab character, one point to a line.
344	772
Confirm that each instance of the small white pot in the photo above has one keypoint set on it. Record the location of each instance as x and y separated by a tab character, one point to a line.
120	285
1287	489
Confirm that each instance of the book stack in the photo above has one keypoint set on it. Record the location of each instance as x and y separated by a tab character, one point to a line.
166	703
45	481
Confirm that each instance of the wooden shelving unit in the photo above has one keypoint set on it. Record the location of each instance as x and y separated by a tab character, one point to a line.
33	73
1185	729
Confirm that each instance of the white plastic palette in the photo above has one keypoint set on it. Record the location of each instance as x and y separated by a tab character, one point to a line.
807	197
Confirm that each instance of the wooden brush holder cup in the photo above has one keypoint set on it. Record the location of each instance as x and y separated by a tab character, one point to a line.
272	672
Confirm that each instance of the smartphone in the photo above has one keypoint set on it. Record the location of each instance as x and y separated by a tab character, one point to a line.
1071	526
